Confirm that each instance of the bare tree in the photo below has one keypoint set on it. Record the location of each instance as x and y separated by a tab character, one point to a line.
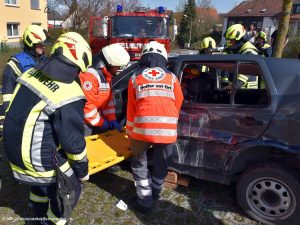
205	20
204	3
283	28
180	6
81	10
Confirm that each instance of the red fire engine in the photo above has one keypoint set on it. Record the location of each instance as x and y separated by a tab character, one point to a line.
131	29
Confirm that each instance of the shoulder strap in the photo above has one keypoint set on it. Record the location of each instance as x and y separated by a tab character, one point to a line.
25	61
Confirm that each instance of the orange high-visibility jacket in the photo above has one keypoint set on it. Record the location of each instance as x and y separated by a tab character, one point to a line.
154	101
97	90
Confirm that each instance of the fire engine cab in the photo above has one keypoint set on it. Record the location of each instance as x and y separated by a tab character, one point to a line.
132	30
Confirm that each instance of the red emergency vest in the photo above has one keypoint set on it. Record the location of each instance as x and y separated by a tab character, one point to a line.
97	90
154	101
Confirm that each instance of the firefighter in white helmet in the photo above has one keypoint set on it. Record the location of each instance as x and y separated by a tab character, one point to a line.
99	110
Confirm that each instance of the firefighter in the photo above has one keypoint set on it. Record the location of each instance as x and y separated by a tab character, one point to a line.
154	101
238	44
99	110
43	127
34	39
207	45
261	44
237	41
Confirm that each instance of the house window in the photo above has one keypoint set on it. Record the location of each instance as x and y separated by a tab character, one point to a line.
259	25
11	2
297	10
35	4
12	30
231	23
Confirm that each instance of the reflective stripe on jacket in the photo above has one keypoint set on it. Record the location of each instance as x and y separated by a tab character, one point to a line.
248	81
32	135
154	101
99	97
248	48
265	50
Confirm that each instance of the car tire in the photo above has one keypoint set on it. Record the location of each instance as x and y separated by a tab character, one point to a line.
270	194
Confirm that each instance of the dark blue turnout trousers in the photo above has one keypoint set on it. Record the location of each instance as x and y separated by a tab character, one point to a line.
43	202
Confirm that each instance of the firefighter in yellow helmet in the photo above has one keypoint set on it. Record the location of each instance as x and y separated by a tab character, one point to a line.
261	44
34	39
206	48
43	130
237	41
207	45
238	44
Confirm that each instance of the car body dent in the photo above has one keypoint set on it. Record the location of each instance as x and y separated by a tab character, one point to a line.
212	137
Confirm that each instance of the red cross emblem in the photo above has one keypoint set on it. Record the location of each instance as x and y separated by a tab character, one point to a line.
154	73
87	85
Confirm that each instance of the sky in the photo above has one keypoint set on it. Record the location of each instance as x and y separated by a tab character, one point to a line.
223	6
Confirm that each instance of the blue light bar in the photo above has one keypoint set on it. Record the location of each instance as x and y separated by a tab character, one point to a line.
161	9
119	8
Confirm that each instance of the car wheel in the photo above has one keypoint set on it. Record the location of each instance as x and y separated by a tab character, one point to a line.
270	194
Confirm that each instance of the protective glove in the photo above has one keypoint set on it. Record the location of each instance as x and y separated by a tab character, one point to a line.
115	125
87	177
105	126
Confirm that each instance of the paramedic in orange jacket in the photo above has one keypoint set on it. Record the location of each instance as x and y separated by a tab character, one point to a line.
154	101
99	110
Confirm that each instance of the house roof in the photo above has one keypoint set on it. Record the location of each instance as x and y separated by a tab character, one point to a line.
203	12
207	12
258	8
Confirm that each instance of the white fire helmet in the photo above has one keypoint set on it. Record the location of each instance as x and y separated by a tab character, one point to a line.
116	55
155	47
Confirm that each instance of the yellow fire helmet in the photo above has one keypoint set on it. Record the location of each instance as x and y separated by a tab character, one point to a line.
34	34
236	31
71	47
262	35
208	42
